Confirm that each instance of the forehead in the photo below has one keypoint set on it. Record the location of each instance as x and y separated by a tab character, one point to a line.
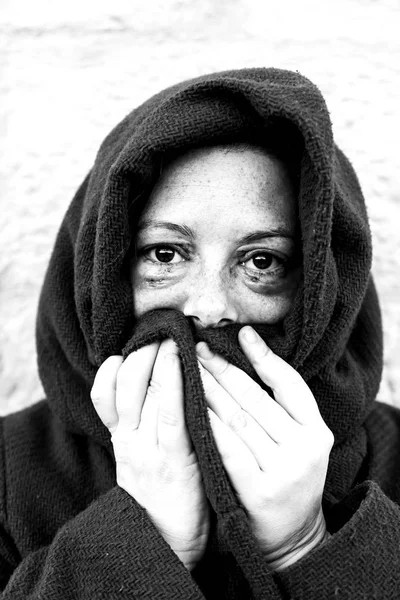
240	181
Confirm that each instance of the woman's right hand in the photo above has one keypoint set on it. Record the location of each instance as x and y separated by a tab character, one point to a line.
140	401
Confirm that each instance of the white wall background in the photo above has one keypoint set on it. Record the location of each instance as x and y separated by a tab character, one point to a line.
71	70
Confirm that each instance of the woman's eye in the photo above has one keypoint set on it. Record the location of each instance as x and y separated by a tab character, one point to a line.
164	254
263	261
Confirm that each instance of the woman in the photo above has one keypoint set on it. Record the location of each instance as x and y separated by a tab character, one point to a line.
210	291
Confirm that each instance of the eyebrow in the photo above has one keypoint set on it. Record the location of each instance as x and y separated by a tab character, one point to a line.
183	229
280	231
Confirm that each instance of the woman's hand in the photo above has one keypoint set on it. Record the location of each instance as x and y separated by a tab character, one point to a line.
140	401
275	451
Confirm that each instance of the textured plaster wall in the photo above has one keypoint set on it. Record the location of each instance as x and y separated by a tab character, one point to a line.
71	70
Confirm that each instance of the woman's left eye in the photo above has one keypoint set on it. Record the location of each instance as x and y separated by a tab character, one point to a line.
164	254
264	262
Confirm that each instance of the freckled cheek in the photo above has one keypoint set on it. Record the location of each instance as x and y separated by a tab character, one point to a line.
148	296
280	308
266	307
282	304
263	309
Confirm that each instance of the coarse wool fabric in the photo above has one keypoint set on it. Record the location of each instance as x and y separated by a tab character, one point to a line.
73	533
333	334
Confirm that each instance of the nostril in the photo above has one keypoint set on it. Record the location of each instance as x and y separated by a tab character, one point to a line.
208	304
224	322
200	324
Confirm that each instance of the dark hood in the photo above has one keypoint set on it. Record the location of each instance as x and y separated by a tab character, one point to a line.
332	335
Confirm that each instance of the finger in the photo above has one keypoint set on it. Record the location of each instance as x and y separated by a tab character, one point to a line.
259	442
167	386
235	381
103	392
132	383
148	425
239	462
249	395
290	389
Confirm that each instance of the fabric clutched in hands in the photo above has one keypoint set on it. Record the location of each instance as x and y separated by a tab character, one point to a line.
333	334
232	530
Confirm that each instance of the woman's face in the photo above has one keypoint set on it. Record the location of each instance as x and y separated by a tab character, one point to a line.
217	239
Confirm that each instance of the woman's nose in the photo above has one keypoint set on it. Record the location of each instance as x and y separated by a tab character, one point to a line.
208	302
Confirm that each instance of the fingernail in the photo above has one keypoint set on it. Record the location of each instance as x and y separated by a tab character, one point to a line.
204	351
250	335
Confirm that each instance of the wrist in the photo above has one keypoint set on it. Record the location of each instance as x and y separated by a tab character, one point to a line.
188	551
289	556
189	559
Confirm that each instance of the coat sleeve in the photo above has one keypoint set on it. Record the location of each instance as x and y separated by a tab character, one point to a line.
110	550
360	561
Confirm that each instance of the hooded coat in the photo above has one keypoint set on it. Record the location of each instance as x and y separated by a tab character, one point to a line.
67	530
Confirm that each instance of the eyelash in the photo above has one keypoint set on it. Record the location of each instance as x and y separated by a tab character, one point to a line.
280	270
184	253
252	273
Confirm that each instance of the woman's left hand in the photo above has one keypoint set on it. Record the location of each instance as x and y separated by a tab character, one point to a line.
275	451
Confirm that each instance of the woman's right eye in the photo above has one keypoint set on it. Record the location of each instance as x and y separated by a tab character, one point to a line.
163	254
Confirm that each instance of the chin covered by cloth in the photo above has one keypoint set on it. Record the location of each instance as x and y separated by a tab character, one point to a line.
67	529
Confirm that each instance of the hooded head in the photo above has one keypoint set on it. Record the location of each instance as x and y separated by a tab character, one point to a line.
330	331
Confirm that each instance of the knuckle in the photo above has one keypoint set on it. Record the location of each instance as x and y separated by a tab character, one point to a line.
169	418
104	409
323	433
96	396
223	367
259	399
164	472
117	438
122	479
329	438
320	442
108	422
263	354
237	420
155	389
264	359
121	451
105	379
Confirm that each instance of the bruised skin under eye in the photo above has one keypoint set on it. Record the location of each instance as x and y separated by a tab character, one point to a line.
155	281
211	214
156	271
